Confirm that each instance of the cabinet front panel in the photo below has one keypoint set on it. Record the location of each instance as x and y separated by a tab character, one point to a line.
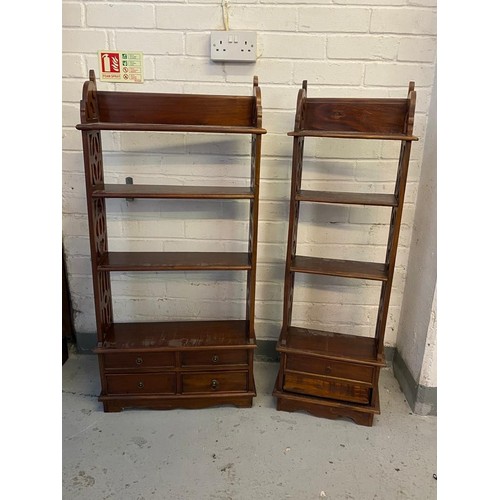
330	368
215	382
326	388
215	357
146	383
133	360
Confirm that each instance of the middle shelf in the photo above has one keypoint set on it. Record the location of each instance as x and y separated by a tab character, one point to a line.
175	192
337	267
174	261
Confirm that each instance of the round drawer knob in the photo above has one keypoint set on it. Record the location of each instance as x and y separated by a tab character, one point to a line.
140	385
215	358
214	384
328	369
138	361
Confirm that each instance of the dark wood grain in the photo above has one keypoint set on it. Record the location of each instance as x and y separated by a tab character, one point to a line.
174	261
176	336
330	345
214	382
338	267
377	116
328	408
175	192
176	109
374	199
141	383
326	387
330	367
352	135
160	127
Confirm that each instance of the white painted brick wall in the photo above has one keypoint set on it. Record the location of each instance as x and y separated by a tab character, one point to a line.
358	48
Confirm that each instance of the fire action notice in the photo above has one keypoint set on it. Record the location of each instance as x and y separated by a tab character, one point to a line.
121	67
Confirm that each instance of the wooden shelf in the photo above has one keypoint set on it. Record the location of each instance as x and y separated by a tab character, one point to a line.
169	127
352	135
375	199
336	267
176	192
337	346
174	261
177	335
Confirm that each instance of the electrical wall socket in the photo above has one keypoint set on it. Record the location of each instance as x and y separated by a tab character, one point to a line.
233	46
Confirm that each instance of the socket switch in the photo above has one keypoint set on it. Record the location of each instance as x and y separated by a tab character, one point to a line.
233	46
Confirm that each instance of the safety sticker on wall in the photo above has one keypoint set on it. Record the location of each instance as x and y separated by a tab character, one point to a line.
121	66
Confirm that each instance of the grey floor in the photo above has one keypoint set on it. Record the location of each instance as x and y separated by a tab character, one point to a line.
228	453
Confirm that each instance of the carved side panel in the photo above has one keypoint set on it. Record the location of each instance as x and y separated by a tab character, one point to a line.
105	307
96	208
95	159
99	227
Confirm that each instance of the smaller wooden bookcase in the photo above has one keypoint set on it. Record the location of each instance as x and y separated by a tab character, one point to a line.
330	374
172	364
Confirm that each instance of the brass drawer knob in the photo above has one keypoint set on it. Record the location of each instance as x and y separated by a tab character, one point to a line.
215	358
214	384
328	369
138	361
140	385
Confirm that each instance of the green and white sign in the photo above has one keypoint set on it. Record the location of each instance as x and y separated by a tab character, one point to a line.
118	66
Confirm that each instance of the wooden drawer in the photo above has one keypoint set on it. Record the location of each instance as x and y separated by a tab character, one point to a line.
330	368
215	382
215	357
141	383
324	387
133	360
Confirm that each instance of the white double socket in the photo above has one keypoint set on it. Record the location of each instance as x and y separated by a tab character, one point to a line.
233	46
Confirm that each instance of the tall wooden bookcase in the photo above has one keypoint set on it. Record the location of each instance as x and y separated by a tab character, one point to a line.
330	374
177	364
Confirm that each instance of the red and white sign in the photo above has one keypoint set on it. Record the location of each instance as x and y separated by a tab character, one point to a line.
121	66
110	62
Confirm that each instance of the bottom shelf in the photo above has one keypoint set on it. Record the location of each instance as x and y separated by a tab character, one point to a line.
329	375
183	364
340	346
319	407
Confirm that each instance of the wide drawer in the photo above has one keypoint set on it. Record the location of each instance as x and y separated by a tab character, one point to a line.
134	360
328	367
215	357
145	383
215	382
323	387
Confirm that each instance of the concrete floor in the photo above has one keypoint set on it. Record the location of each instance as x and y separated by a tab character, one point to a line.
240	454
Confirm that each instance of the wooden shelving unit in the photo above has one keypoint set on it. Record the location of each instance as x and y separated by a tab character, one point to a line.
330	374
177	364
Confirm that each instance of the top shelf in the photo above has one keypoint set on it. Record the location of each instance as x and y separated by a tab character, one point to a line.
169	127
167	112
389	119
352	135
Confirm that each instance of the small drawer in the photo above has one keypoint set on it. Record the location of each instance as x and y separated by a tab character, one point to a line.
147	383
133	360
326	388
215	382
215	357
330	368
